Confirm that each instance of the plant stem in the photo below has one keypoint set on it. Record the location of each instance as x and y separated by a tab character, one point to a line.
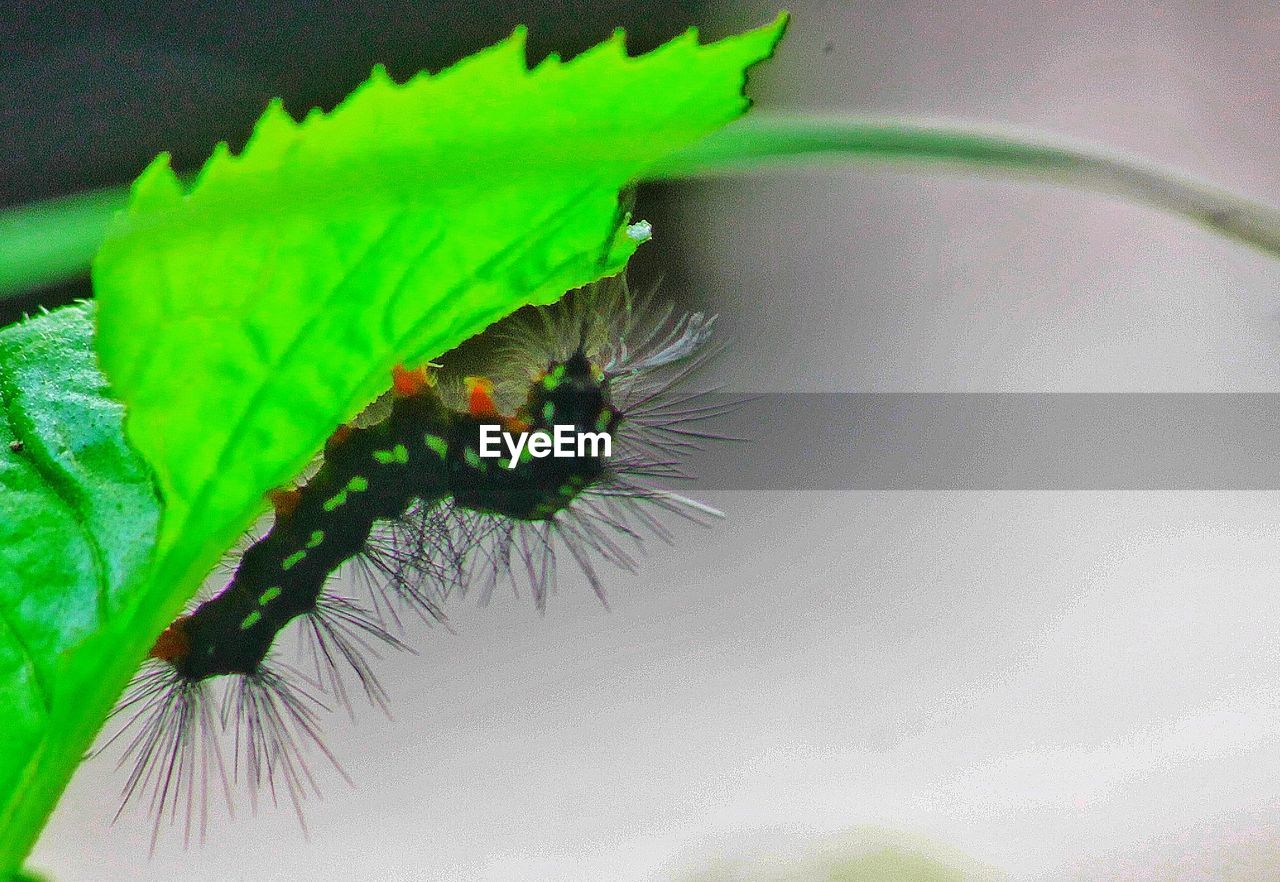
49	242
770	144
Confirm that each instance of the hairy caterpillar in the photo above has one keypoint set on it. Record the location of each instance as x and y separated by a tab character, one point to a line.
411	497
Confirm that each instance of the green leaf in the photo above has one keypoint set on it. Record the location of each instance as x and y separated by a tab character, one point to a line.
78	521
243	317
781	143
51	241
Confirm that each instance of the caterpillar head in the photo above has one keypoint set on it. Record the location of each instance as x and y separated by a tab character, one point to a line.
602	339
573	392
602	362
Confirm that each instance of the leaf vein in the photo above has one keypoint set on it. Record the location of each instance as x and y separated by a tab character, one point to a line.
298	338
63	486
28	657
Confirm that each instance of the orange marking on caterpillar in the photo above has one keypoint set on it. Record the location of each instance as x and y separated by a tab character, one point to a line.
340	434
480	397
284	500
173	643
408	383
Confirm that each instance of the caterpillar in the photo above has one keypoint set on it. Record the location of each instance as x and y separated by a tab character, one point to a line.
416	497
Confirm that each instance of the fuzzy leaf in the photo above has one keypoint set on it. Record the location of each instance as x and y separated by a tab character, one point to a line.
78	522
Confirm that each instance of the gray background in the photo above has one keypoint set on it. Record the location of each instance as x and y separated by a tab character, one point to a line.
1066	685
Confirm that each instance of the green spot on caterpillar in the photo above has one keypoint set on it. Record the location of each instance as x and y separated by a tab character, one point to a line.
336	500
603	420
317	536
250	620
554	378
293	560
548	411
399	454
504	462
567	490
473	459
437	445
358	484
269	595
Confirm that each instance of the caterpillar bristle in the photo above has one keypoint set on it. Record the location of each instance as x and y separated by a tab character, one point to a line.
173	728
411	563
339	638
275	725
171	736
403	499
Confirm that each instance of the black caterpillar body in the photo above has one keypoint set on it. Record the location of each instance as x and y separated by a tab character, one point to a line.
423	452
413	499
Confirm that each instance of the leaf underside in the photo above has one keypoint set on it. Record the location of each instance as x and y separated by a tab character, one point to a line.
78	522
243	317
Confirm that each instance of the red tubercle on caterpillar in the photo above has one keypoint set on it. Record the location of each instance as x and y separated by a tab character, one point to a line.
339	436
480	397
480	405
407	383
284	500
173	643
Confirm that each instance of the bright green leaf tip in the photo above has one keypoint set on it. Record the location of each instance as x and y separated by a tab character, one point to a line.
244	315
394	227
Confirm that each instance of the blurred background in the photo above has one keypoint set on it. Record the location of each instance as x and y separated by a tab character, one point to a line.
1060	685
